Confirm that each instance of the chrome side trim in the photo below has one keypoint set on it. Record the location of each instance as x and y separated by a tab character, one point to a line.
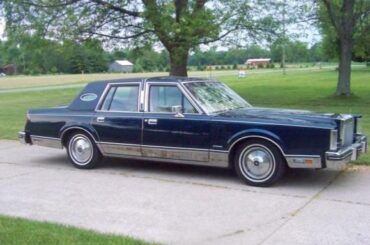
46	141
119	149
192	156
177	154
153	159
219	159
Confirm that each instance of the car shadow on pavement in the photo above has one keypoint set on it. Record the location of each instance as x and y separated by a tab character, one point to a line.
297	177
300	178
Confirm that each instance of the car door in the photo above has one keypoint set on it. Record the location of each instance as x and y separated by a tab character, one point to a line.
118	120
171	135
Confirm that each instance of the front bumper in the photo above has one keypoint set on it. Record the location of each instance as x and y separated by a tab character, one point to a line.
337	159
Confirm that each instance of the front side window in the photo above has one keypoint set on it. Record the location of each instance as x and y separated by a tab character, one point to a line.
122	98
162	98
215	97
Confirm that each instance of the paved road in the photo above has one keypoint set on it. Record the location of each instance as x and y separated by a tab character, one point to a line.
178	204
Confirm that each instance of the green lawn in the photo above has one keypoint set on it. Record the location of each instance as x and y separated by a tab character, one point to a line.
311	90
21	231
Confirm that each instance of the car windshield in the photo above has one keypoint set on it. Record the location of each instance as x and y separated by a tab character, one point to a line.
215	97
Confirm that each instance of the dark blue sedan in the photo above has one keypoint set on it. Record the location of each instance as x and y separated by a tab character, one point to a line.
193	121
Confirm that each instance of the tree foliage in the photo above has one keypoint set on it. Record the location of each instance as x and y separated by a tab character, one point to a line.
35	55
179	25
345	25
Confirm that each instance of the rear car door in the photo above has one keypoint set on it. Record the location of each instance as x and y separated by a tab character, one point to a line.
118	120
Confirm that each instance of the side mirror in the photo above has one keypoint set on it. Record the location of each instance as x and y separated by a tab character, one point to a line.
177	109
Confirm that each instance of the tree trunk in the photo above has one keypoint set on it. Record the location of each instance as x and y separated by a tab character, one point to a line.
179	61
345	27
345	57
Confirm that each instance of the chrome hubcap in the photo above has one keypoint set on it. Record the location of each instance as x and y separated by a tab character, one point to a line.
81	149
257	163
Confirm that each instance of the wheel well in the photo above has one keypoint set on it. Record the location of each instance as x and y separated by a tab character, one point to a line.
240	142
67	133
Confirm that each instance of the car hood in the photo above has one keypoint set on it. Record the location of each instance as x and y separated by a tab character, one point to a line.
281	116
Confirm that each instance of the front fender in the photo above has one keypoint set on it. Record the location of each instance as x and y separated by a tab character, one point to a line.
256	133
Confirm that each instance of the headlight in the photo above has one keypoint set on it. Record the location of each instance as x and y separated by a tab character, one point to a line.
359	126
333	139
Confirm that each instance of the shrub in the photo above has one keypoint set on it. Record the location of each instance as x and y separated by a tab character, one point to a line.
138	68
269	65
53	70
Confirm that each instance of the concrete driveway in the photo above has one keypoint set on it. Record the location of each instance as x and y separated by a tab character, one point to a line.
178	204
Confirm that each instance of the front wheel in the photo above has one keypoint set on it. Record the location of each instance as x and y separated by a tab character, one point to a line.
259	163
82	151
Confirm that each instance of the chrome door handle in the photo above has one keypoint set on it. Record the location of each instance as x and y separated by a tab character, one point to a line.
100	119
151	121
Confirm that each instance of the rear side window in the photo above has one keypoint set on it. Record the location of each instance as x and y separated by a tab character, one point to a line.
121	98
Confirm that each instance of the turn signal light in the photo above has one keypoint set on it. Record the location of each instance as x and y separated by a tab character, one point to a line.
308	161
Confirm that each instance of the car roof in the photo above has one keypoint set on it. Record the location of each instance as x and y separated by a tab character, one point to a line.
153	79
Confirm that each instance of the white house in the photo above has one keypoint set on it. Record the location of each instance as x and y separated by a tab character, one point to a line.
121	66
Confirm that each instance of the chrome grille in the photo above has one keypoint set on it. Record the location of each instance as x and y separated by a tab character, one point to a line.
347	132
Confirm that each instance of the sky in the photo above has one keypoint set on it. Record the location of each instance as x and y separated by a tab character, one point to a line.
2	26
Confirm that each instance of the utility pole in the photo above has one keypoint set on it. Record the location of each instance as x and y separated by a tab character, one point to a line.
283	41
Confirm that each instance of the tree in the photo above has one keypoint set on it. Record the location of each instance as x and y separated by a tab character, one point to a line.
180	25
341	20
295	51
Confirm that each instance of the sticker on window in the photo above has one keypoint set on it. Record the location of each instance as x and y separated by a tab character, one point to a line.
88	97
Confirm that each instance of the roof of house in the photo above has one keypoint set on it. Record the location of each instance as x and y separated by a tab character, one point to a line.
124	62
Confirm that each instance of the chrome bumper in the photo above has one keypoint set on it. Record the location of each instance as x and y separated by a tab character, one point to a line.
26	138
338	159
23	137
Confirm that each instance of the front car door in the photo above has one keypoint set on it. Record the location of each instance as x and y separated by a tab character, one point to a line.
118	120
170	135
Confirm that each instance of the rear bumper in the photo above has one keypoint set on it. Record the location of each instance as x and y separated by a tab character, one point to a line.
337	159
24	137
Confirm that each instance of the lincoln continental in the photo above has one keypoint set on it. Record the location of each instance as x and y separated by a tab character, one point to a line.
193	121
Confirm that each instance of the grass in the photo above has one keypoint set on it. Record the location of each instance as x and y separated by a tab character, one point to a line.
299	89
12	82
21	231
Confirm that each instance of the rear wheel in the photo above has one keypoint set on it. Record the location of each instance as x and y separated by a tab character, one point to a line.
259	163
82	151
